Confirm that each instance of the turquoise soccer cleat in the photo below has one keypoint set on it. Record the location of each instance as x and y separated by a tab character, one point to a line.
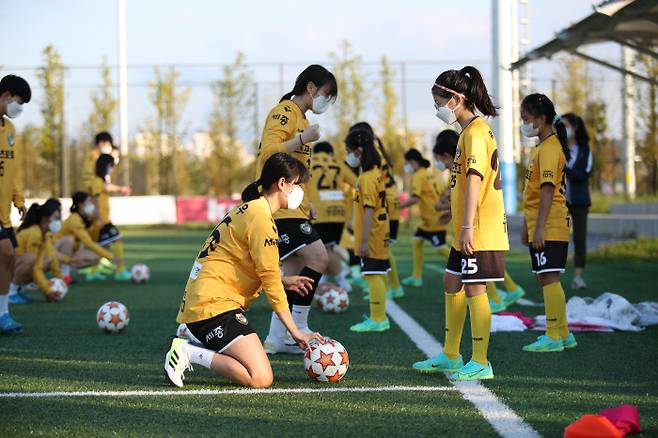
413	282
570	341
439	364
397	292
473	371
512	297
545	344
368	325
497	307
123	276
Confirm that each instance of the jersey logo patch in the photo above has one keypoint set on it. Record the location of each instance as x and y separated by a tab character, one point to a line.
547	174
241	318
10	139
305	228
196	268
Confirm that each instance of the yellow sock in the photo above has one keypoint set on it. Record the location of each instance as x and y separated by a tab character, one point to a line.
118	252
377	286
94	268
492	292
556	311
444	251
393	279
480	313
455	317
417	246
509	283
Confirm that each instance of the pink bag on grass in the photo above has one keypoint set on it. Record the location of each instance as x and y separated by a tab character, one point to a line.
626	418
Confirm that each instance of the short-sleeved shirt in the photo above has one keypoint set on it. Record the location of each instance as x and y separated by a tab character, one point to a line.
371	193
326	188
99	189
11	178
477	153
428	188
547	166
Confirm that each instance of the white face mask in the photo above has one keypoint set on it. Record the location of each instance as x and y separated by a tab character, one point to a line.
320	104
408	168
445	114
295	197
14	109
106	150
439	165
88	209
569	133
352	160
528	130
55	226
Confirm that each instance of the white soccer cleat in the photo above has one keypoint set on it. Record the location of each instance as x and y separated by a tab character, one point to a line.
284	345
177	362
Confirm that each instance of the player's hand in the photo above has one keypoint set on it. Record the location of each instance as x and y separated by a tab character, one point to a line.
310	134
538	239
298	284
445	218
524	237
443	204
466	241
22	210
303	339
314	212
365	251
126	190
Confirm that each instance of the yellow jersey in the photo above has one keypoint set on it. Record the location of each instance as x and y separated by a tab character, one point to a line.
239	259
33	240
75	226
371	193
428	188
284	122
326	188
477	153
99	189
11	175
547	166
392	199
89	169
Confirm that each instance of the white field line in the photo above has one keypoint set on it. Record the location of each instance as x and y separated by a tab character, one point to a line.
503	419
246	391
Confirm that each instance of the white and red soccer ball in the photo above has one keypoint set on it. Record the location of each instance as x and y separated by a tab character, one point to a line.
327	361
140	273
57	289
335	300
112	317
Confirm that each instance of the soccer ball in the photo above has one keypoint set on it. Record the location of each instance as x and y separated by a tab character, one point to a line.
334	301
322	289
140	273
112	317
326	362
58	289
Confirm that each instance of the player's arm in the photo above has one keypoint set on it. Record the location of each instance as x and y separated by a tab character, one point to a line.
113	188
549	162
83	237
38	275
370	199
477	164
17	194
51	252
368	215
416	190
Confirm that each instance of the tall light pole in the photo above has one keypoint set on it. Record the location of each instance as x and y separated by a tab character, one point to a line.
123	92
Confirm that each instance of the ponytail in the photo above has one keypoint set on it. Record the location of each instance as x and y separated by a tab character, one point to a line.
539	105
364	139
317	74
279	165
37	212
561	132
468	83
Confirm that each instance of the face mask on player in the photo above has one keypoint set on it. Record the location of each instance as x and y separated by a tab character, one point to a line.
295	197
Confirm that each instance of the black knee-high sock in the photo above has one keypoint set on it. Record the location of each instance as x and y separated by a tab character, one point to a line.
295	298
354	260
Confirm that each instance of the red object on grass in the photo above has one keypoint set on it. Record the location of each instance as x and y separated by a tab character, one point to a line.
626	418
68	279
526	320
592	426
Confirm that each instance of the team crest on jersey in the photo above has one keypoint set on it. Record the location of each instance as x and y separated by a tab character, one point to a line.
10	139
241	318
458	153
305	228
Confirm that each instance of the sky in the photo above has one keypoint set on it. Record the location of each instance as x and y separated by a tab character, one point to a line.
440	33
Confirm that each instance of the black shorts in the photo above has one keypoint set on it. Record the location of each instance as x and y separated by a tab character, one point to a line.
8	233
394	227
482	267
219	332
551	258
329	232
294	234
108	234
436	238
374	266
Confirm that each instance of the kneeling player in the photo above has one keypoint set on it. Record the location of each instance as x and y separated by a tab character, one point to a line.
240	259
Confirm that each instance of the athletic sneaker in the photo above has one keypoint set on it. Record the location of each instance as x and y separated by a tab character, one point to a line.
123	276
413	282
439	364
95	276
359	282
8	326
368	325
177	362
545	344
578	283
473	371
497	306
511	297
569	341
285	345
18	298
397	292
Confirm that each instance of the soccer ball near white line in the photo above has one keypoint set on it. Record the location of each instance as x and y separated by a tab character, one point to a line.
334	301
140	273
58	289
112	317
326	362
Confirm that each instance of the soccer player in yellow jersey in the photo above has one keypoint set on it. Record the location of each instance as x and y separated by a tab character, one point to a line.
238	261
371	227
300	246
478	220
546	217
426	190
14	93
35	248
326	193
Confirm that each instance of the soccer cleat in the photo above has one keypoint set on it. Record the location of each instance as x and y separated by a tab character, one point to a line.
18	298
578	283
368	325
8	326
511	297
545	344
177	361
285	345
473	371
439	364
397	292
413	282
95	276
123	276
359	282
497	306
366	297
569	342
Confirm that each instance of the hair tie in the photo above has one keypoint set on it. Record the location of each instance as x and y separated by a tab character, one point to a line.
259	182
556	119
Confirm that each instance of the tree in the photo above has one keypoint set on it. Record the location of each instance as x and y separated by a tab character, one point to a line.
647	141
51	139
32	161
573	85
390	132
232	93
